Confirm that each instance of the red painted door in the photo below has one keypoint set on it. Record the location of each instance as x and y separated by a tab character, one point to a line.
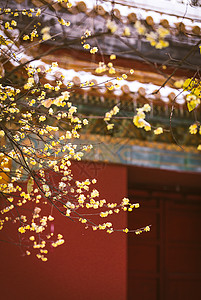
165	264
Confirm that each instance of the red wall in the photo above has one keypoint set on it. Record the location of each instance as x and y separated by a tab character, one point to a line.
90	265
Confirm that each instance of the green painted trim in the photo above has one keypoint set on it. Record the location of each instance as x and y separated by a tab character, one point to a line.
131	154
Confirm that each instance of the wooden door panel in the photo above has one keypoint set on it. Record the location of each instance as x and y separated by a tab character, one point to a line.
165	264
183	223
183	259
143	251
183	289
143	288
144	258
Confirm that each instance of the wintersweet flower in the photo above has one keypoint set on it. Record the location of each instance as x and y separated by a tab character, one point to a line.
158	130
193	129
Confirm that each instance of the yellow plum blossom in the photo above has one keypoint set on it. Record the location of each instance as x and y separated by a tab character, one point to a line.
158	130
